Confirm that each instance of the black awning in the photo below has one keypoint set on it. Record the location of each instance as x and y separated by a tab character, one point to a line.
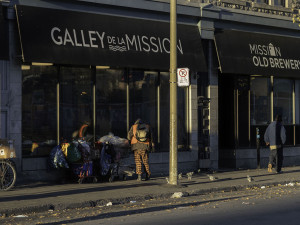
4	42
261	54
69	37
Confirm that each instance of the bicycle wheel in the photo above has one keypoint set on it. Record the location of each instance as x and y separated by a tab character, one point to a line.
8	175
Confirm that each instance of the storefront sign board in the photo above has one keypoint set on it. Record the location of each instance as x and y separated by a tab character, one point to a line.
258	54
80	38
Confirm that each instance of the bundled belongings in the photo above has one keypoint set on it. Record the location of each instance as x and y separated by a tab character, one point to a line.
121	145
76	156
113	150
81	163
73	153
108	166
84	171
57	158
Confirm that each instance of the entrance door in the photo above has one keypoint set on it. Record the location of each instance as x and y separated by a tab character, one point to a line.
233	117
226	112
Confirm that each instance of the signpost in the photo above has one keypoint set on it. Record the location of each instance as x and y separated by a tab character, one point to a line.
183	77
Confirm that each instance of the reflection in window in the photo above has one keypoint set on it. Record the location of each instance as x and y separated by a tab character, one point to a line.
143	97
260	100
39	110
75	100
283	99
111	88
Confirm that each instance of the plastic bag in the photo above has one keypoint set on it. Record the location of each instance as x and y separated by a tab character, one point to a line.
74	154
115	140
57	158
84	149
105	161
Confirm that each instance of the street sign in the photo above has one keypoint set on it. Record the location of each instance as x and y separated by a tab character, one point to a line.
183	77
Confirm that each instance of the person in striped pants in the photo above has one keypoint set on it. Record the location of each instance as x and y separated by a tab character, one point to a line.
141	139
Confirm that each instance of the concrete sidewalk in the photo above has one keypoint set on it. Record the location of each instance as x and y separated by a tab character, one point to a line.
40	197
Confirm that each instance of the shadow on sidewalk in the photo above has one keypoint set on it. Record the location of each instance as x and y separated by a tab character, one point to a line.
72	192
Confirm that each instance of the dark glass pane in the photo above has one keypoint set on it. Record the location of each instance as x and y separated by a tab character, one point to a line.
143	104
39	110
182	135
260	89
283	99
279	3
289	134
111	88
75	100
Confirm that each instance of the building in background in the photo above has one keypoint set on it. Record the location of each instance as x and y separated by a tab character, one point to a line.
65	63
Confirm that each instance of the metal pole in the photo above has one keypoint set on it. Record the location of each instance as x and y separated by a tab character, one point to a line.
57	106
173	94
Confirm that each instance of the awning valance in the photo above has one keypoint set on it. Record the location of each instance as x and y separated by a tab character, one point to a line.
255	53
80	38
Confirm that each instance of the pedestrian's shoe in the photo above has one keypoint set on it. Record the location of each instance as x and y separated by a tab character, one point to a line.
147	176
139	177
279	172
270	168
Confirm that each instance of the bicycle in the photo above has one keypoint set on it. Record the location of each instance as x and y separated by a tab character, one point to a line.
8	174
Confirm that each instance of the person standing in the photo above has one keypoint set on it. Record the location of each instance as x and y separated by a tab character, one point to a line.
275	137
140	137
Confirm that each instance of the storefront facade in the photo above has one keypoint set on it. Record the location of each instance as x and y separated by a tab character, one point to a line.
260	75
74	70
107	64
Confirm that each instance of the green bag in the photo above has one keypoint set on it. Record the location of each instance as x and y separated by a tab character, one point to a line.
74	154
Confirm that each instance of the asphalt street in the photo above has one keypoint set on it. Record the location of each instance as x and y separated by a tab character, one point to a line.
267	206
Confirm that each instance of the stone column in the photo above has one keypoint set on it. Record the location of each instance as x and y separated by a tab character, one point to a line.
213	105
14	102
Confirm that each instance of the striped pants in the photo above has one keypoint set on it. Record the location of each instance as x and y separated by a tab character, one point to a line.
139	157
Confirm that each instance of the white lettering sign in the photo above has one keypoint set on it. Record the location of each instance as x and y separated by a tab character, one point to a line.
270	56
96	39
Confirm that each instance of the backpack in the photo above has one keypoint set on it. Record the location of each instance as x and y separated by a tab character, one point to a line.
142	132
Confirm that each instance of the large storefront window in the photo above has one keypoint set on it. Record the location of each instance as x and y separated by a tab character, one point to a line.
39	110
111	86
76	105
282	105
140	93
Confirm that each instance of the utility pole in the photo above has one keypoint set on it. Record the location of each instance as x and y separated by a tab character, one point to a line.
173	94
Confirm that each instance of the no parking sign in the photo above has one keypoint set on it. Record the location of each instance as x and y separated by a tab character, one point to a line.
183	77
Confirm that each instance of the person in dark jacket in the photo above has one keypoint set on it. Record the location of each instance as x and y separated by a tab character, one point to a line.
141	149
275	137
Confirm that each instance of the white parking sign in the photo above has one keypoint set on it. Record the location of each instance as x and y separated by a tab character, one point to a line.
183	77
